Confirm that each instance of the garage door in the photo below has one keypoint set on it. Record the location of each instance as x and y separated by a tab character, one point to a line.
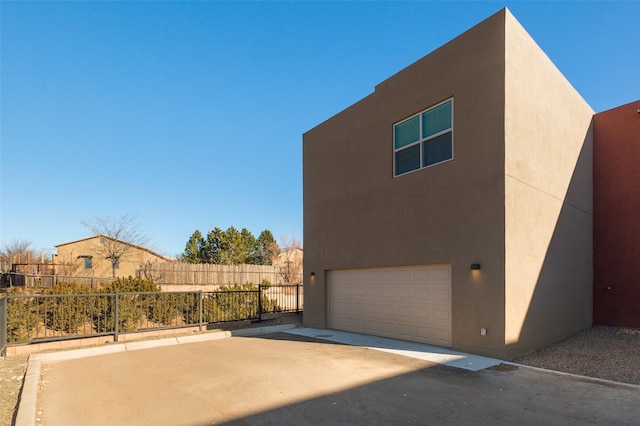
408	303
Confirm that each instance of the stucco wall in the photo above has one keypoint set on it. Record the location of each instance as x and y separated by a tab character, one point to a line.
68	254
548	199
356	214
616	228
516	198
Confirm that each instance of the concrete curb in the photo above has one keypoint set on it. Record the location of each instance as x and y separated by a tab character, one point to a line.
27	408
28	396
575	376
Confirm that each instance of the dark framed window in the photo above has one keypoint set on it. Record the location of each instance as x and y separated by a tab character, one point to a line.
424	139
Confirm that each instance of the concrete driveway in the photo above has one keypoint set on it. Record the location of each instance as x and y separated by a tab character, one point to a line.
285	378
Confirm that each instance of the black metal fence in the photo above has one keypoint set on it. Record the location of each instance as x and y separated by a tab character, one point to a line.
11	279
41	318
3	325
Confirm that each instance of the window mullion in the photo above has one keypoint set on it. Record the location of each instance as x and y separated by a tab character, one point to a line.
421	143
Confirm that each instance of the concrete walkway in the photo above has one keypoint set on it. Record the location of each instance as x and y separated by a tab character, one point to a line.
286	375
421	351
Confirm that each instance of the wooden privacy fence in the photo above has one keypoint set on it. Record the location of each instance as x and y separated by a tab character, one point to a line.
169	273
209	274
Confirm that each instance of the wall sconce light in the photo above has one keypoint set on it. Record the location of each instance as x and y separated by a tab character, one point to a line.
475	266
313	274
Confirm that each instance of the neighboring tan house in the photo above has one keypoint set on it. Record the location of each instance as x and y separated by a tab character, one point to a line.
289	264
616	211
453	205
87	257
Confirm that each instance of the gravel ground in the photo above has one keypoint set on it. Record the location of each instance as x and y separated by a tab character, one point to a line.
610	353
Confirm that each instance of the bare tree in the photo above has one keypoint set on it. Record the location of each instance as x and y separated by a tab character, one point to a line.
16	251
120	235
290	259
149	271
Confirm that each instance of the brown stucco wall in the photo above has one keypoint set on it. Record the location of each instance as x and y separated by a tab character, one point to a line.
616	227
516	197
548	199
357	215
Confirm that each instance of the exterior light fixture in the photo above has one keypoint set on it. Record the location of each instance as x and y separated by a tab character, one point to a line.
313	274
475	266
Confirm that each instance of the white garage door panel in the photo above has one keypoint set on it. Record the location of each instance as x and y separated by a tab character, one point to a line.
411	303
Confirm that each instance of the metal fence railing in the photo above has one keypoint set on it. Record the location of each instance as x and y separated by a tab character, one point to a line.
41	318
3	325
48	281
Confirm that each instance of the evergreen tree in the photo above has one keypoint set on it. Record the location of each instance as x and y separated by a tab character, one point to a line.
266	249
192	251
248	245
231	247
213	246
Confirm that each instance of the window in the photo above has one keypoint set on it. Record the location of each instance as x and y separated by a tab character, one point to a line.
424	139
87	262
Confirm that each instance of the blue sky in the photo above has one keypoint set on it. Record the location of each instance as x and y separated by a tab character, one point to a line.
190	115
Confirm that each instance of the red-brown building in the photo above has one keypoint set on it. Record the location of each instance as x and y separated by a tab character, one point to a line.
616	216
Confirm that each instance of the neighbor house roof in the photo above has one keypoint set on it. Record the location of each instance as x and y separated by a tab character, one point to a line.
115	239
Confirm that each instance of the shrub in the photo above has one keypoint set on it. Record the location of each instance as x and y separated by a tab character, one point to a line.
236	302
66	313
133	309
163	308
129	305
230	303
70	307
21	320
190	308
131	285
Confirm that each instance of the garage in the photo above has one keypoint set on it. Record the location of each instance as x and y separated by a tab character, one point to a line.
409	303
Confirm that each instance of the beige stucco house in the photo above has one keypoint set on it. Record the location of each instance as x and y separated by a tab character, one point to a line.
88	257
453	205
289	265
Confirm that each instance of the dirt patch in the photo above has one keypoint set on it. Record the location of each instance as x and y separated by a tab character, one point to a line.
12	372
